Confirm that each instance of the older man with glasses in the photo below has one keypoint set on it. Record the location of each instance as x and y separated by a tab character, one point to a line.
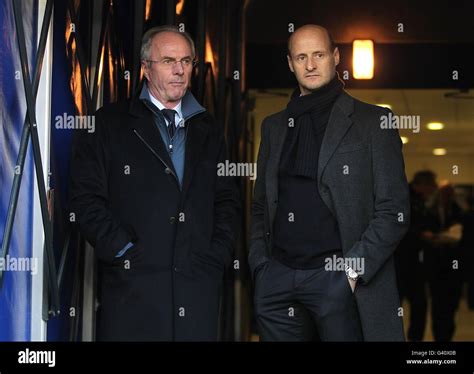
147	196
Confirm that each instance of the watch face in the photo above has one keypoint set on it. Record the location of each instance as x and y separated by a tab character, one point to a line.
352	274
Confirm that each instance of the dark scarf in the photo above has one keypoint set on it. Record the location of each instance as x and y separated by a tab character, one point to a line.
310	114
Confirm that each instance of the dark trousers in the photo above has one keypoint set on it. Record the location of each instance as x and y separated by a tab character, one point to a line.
445	283
291	304
468	272
412	286
416	296
470	291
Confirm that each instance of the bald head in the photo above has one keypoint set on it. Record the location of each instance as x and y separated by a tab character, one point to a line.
311	31
312	57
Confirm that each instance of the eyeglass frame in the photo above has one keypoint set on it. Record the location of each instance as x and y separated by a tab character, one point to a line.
173	62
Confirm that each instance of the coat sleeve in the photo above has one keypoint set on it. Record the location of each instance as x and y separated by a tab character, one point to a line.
257	253
226	211
391	216
89	200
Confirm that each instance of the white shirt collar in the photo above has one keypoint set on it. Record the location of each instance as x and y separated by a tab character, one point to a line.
178	116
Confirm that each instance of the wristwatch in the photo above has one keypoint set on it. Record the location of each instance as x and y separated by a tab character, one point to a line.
351	274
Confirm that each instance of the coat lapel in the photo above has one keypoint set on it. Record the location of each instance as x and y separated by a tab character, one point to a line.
196	134
144	125
338	124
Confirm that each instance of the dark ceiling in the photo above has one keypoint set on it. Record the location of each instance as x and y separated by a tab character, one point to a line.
423	21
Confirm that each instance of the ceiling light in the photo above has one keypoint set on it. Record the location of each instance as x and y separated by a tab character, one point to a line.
439	151
435	126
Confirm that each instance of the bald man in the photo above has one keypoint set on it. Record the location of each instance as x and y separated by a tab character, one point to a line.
330	205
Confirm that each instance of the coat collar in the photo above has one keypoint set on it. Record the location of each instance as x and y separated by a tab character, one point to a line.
196	133
338	124
189	105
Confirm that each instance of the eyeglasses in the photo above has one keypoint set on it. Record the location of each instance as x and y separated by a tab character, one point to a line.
186	62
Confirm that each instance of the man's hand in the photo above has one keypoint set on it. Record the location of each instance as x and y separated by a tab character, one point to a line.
352	284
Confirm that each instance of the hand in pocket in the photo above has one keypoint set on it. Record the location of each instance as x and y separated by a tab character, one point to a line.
131	259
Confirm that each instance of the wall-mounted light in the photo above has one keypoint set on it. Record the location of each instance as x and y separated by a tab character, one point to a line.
363	59
439	151
209	54
179	7
404	139
147	10
435	126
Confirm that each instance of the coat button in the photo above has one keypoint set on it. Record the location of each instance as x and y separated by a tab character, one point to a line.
172	220
275	201
168	171
268	233
176	269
